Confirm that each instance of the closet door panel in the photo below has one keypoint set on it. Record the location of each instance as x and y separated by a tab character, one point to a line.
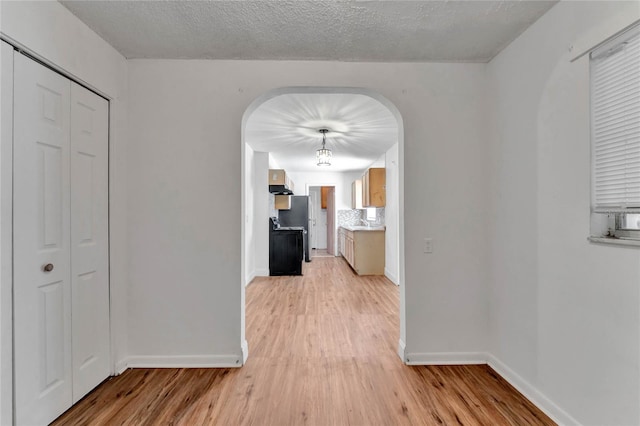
89	240
42	285
6	232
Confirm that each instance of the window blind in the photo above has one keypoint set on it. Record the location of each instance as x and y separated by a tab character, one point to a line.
615	123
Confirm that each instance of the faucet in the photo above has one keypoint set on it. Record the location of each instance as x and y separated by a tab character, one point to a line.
366	223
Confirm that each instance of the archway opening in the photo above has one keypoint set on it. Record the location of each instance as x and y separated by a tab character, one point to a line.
278	131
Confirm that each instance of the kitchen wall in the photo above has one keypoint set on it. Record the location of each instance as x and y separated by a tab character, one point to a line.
564	313
250	192
392	219
259	206
261	215
52	33
188	309
341	181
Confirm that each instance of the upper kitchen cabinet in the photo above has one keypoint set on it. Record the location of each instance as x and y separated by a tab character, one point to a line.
356	194
279	182
324	191
283	202
374	187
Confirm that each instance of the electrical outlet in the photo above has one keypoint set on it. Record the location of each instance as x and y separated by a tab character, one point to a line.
428	245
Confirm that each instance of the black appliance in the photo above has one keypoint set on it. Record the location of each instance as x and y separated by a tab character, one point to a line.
286	250
280	190
298	215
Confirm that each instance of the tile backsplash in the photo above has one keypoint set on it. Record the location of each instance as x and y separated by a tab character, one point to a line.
349	217
353	217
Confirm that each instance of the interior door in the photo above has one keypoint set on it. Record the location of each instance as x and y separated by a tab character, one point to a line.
89	240
6	230
313	235
42	282
331	229
320	220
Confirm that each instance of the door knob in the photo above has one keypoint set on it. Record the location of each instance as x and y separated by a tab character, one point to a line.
48	267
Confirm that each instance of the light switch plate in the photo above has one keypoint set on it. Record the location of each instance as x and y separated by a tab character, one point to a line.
428	245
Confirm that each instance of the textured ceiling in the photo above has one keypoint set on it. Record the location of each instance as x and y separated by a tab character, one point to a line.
361	130
377	31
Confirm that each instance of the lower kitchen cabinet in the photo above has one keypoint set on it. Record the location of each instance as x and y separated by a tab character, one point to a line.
363	250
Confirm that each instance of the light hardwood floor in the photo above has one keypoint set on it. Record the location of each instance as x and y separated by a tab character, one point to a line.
322	352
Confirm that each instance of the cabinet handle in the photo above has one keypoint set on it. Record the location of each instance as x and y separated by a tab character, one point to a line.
48	267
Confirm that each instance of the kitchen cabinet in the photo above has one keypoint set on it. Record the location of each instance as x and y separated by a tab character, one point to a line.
280	182
324	191
356	194
374	187
363	250
283	202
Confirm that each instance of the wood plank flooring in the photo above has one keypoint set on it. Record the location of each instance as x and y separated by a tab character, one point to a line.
322	351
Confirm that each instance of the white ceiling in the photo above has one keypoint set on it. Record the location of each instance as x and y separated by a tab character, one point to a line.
361	130
377	31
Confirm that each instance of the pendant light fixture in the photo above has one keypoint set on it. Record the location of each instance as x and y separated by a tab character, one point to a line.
323	155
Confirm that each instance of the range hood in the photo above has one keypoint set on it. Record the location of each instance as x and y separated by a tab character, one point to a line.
280	190
279	182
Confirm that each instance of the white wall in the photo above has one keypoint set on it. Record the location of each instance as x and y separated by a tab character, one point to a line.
391	253
261	214
340	180
53	34
564	313
249	220
185	136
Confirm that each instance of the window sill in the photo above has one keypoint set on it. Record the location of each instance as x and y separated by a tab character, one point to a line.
615	241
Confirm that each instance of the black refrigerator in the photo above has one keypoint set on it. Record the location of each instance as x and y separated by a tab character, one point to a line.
298	215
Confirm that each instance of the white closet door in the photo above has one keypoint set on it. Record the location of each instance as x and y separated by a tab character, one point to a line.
89	240
6	229
42	299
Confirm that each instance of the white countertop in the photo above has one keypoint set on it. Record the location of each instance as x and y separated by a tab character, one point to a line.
363	228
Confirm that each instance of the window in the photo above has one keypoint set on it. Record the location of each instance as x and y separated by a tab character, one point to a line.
615	136
371	213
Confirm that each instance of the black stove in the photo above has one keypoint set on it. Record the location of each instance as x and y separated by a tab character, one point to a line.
286	248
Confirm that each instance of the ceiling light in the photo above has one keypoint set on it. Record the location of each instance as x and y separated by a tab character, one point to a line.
323	155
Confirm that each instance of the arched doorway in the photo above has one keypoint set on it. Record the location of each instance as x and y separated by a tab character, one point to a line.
249	204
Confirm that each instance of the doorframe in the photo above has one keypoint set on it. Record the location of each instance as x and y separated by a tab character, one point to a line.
6	220
335	185
269	94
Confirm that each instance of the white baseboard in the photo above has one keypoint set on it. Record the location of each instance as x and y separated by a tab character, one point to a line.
182	361
245	352
402	351
121	366
530	392
256	273
262	272
446	358
249	278
391	277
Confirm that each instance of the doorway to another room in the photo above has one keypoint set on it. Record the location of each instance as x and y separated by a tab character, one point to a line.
333	156
321	221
